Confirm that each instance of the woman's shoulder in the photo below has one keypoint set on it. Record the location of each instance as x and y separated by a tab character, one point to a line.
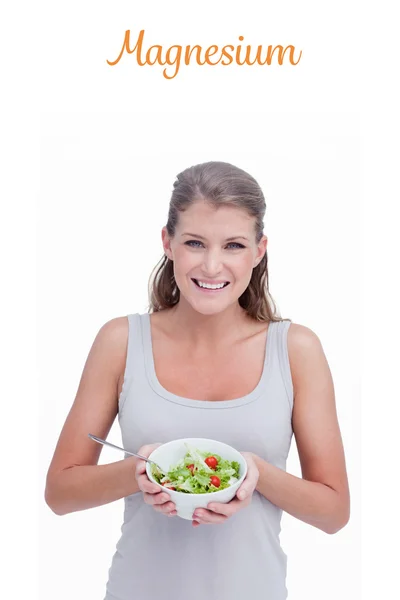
112	343
305	352
301	337
303	344
116	329
112	338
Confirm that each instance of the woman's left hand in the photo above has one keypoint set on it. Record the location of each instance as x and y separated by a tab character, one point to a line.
219	513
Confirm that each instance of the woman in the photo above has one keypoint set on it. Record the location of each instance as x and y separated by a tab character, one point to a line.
211	359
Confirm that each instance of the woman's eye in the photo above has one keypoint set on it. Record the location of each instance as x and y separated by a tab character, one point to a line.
236	244
193	244
190	242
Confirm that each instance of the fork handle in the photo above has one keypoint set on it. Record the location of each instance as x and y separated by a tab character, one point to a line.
104	443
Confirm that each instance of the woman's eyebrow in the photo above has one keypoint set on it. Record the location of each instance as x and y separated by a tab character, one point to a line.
235	237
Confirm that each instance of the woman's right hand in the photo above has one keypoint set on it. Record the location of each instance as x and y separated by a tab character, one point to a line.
152	495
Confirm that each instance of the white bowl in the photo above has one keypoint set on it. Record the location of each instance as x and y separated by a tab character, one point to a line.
167	455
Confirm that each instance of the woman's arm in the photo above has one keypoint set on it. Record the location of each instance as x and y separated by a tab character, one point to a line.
86	486
74	480
321	497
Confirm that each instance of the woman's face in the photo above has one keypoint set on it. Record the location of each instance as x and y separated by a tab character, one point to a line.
213	247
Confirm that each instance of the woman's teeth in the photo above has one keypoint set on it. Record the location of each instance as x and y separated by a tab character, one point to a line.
209	286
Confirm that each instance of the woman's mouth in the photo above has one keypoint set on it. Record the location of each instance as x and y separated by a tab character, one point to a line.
210	287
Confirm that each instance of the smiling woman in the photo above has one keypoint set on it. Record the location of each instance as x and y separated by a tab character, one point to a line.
233	202
211	358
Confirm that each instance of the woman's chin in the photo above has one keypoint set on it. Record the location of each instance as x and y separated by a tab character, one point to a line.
207	306
208	303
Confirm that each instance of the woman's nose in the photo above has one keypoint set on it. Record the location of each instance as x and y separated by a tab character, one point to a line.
212	263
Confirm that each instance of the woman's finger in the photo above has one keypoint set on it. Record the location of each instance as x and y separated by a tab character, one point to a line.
225	509
195	523
155	499
145	451
250	483
140	466
247	488
159	498
145	485
167	509
206	517
148	449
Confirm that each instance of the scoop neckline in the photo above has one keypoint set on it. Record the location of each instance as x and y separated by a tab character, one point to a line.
191	402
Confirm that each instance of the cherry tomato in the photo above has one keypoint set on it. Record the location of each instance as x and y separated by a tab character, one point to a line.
191	468
214	480
212	462
170	488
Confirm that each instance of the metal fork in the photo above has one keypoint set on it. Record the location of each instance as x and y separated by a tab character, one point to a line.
105	443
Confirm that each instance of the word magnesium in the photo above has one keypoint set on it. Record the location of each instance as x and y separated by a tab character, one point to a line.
174	55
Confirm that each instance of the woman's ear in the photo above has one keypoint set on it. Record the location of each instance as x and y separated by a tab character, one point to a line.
261	249
166	243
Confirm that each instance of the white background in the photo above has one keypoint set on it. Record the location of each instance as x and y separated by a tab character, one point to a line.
103	202
111	142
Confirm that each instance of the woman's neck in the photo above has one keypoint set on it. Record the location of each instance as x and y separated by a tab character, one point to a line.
208	330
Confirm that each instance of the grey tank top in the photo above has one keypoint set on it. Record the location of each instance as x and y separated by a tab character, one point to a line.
166	557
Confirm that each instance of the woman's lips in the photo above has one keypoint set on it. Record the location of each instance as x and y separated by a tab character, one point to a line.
208	290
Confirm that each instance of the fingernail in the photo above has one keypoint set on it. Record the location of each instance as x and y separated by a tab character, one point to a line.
242	494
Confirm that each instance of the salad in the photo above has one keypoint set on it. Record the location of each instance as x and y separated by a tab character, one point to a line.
199	473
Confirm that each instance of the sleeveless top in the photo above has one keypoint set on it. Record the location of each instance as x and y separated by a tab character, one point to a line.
166	557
